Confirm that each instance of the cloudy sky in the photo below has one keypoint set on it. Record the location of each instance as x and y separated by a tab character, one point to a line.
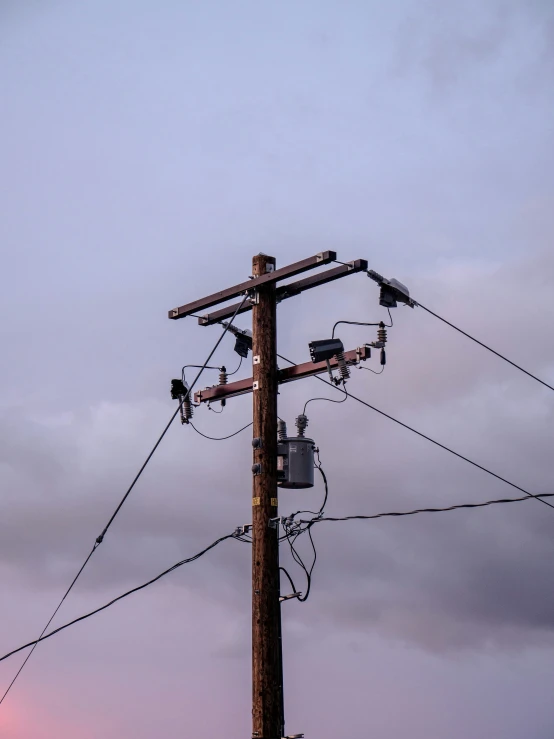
148	151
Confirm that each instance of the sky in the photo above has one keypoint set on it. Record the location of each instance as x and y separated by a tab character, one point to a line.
149	150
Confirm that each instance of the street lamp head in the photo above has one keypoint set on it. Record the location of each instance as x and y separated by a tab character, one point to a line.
392	291
325	349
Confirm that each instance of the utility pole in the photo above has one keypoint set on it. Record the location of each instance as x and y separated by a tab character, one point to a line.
267	663
267	672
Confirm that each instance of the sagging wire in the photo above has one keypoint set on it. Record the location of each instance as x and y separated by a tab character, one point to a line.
330	400
230	374
220	438
294	529
43	636
353	323
369	370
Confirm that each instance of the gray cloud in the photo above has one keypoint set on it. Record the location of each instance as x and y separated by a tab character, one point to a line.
147	154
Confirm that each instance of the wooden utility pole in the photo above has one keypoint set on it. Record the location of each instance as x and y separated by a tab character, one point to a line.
267	671
267	660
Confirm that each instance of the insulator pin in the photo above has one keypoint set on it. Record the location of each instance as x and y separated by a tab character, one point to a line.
301	424
343	367
281	430
187	409
382	334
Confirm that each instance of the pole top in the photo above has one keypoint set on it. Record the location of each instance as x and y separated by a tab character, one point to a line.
262	264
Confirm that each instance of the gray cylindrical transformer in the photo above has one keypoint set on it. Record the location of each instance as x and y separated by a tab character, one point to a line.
295	463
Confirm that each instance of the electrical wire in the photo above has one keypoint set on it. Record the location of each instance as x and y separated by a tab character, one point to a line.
230	374
292	535
488	348
195	366
427	510
100	538
353	323
371	370
330	400
293	586
120	597
310	522
219	438
428	438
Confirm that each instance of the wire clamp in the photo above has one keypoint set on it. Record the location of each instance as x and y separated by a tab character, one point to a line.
242	530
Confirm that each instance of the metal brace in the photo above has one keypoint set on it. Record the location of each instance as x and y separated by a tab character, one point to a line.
242	530
289	597
253	296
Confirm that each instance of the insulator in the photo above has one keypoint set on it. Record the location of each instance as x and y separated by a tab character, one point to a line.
281	430
343	367
301	424
382	334
187	408
223	378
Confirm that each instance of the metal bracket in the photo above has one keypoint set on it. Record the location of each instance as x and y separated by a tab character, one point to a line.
289	597
256	385
253	296
242	530
256	359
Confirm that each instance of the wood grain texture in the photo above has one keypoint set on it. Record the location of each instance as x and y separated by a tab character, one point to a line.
266	648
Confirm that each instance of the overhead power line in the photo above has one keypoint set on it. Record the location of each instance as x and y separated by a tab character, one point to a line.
428	438
119	597
307	522
397	514
220	438
485	346
100	538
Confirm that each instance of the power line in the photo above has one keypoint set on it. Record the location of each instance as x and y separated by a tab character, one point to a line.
100	538
120	597
428	438
488	348
219	438
308	523
427	510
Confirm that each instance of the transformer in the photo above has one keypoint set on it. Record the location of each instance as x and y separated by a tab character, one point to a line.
295	457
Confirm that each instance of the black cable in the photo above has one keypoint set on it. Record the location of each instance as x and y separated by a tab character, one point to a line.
120	597
488	348
301	530
428	438
237	369
219	438
330	400
353	323
28	657
293	586
100	538
429	510
371	370
195	366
